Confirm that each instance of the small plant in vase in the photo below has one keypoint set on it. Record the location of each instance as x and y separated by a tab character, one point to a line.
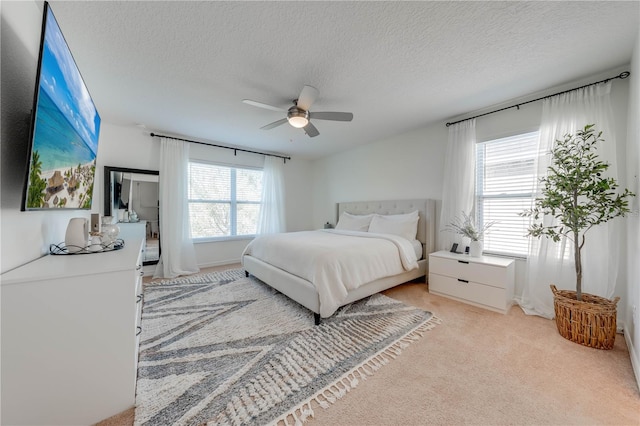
578	196
466	227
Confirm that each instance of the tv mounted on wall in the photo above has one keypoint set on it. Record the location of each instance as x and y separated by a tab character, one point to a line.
65	127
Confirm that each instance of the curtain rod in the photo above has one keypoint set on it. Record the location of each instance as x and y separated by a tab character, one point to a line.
225	147
622	75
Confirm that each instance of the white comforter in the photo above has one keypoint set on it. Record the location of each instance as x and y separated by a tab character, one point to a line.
334	261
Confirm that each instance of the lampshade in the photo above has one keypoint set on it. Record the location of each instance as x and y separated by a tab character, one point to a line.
298	122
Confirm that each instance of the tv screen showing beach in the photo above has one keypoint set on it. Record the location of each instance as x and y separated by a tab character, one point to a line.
65	130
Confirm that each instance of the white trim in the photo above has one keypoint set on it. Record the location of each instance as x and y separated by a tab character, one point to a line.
635	362
219	263
205	240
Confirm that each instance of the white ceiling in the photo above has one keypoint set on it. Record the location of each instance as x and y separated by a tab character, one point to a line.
183	68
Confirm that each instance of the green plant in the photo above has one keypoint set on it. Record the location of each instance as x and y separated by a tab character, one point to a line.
37	185
576	193
466	227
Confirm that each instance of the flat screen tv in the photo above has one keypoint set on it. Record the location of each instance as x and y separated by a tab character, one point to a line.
65	126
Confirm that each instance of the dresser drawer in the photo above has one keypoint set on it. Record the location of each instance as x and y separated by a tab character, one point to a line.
483	273
471	292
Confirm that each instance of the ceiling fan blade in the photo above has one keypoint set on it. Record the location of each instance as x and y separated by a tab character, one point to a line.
274	124
335	116
311	130
261	105
307	97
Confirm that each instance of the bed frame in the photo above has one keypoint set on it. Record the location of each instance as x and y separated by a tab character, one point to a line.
304	292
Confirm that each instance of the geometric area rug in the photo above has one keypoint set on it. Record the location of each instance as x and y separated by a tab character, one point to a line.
220	348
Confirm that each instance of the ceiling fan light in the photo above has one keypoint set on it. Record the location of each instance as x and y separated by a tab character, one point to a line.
297	117
298	122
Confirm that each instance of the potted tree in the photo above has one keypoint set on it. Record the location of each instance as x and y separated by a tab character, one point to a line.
579	196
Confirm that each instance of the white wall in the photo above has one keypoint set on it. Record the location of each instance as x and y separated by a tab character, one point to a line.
631	301
404	167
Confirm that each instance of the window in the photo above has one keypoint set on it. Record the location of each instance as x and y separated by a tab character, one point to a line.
506	175
224	201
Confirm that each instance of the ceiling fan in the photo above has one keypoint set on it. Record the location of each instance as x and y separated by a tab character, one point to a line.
299	115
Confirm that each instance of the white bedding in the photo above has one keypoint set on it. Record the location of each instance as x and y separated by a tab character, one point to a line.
417	248
335	261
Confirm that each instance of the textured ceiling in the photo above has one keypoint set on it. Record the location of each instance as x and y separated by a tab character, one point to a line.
184	67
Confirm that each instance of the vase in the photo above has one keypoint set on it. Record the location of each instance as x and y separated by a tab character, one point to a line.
96	243
110	233
475	248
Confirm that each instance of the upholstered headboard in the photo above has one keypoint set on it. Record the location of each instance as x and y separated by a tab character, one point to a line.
426	222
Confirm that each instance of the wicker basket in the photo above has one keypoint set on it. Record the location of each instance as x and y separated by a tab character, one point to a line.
590	322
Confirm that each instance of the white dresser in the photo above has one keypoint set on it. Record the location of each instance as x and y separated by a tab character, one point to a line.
69	336
484	281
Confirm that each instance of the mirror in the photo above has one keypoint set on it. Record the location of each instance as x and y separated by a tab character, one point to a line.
132	196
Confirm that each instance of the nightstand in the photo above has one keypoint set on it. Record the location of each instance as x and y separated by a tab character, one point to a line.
484	281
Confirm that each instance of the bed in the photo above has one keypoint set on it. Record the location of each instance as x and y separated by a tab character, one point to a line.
294	284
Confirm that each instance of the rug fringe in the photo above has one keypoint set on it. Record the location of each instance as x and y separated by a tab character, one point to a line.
229	274
329	395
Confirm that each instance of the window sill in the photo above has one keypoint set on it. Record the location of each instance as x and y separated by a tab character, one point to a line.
222	239
505	255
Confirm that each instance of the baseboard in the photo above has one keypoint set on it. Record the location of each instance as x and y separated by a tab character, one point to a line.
218	263
149	270
635	363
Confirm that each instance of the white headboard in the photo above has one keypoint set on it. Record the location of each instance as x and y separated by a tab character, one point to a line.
425	207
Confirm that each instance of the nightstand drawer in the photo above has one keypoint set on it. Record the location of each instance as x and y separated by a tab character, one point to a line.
468	270
470	292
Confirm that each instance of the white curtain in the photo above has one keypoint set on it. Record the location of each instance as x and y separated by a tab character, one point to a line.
458	189
552	263
271	217
178	255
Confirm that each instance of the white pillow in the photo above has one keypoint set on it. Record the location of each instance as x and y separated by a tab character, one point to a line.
407	228
405	216
354	222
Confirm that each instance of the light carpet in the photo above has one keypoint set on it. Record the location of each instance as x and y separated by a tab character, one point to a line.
220	348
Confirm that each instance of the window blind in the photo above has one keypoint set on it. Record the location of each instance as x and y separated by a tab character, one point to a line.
224	201
506	175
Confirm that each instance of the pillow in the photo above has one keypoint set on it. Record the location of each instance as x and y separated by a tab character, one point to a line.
354	222
407	228
405	216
